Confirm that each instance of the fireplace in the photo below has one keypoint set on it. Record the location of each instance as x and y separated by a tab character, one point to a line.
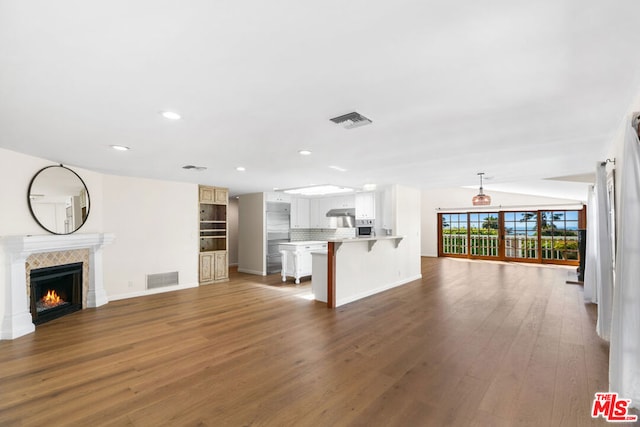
15	268
55	291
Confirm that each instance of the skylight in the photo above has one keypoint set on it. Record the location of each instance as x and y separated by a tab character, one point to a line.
319	190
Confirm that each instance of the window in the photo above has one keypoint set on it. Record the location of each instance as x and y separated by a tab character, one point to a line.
521	235
546	236
484	238
453	233
559	235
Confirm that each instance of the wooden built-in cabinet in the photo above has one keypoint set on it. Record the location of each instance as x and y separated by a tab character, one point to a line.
215	195
214	264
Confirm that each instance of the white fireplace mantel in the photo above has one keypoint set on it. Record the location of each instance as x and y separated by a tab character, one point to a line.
15	250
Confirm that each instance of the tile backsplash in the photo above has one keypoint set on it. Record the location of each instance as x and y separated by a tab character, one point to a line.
303	234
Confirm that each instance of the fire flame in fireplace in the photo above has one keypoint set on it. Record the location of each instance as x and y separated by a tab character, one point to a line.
51	299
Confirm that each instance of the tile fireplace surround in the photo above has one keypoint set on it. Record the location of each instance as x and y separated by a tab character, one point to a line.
14	251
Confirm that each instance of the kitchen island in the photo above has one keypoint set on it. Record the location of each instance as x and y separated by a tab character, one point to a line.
296	258
359	267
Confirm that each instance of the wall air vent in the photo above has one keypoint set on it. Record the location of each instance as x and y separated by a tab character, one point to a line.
195	168
351	120
161	280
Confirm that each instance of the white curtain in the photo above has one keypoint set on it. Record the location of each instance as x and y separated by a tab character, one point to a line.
624	352
598	278
604	262
591	257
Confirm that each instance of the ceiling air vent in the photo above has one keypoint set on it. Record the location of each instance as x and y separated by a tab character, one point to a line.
195	168
351	120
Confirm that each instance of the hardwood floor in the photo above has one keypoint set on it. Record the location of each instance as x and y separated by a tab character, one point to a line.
471	344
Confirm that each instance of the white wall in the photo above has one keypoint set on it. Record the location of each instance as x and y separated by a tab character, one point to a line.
461	198
155	223
16	171
251	234
156	228
408	213
232	226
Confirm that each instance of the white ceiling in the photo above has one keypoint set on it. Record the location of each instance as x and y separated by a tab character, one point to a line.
520	90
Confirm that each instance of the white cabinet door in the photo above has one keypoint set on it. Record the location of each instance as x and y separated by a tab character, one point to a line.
299	212
318	209
342	202
366	205
277	197
314	209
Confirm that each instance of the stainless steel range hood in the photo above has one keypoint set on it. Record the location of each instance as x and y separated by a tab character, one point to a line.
342	212
344	217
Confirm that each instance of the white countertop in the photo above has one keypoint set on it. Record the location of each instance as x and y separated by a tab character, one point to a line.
305	243
365	239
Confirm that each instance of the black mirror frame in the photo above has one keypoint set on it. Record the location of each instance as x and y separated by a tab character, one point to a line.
86	189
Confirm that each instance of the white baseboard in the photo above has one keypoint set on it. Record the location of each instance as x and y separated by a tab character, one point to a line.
246	270
152	291
352	298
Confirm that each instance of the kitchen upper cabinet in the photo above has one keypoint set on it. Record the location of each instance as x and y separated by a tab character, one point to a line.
300	212
366	205
342	202
277	197
318	209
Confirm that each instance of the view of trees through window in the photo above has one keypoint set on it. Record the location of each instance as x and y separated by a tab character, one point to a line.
539	236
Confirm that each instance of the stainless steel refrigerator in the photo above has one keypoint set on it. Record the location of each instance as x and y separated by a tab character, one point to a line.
278	228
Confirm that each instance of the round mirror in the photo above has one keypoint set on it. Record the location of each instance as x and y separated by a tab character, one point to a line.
58	200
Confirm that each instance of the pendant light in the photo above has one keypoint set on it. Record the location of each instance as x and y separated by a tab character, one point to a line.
481	199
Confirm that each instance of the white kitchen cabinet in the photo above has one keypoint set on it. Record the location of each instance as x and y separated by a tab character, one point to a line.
318	209
300	212
366	205
277	197
342	202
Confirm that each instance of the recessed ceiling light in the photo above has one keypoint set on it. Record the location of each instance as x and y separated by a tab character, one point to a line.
120	147
369	187
241	169
304	152
171	115
338	168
